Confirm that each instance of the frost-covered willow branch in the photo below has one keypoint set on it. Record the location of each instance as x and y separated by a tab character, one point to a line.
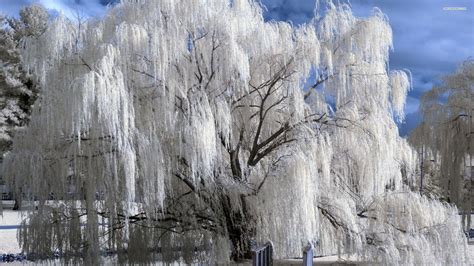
185	127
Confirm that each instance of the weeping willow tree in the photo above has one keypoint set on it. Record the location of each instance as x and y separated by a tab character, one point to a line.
195	128
447	131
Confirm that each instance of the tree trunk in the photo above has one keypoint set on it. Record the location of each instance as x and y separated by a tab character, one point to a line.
240	225
16	206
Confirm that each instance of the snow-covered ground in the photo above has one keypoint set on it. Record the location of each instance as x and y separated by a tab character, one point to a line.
471	252
9	243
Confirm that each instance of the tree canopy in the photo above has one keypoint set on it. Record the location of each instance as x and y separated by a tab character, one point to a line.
18	89
446	132
194	127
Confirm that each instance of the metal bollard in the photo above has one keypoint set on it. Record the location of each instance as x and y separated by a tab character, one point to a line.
308	255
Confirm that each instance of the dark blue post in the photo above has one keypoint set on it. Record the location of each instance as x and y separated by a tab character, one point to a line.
308	255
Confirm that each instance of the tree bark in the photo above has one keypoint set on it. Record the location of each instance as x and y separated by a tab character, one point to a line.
240	225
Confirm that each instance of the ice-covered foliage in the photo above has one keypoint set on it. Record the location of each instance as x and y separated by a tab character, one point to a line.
185	127
400	86
17	89
412	230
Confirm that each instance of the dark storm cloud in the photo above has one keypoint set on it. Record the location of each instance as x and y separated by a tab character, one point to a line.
294	11
411	121
108	2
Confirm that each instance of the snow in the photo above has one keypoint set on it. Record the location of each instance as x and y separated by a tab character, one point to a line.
10	217
8	241
471	252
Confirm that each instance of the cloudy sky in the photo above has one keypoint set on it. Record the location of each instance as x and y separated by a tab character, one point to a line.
430	38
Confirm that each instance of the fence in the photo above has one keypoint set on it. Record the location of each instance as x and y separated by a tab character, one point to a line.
263	255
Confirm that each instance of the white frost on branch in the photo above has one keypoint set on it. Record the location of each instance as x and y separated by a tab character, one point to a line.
400	87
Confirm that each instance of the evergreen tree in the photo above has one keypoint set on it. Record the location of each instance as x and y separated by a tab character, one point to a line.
18	92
